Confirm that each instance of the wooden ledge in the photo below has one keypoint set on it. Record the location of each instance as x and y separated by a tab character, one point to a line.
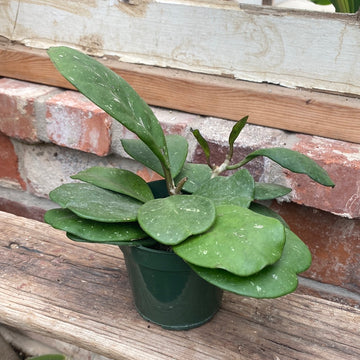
79	293
302	111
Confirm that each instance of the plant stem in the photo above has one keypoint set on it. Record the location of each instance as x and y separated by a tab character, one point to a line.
238	165
220	169
180	185
170	185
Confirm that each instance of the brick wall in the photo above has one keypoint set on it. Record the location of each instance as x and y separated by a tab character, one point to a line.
48	134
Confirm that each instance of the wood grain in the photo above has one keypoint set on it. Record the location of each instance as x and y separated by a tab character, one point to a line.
306	49
326	115
79	293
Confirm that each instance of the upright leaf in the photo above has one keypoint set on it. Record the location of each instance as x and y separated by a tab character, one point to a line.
112	94
177	150
203	143
235	132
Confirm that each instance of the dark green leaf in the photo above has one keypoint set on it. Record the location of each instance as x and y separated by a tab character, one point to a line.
266	191
48	357
237	189
173	219
294	161
273	281
91	202
144	242
241	242
264	210
112	94
197	174
203	143
119	180
346	6
93	231
321	2
177	149
236	130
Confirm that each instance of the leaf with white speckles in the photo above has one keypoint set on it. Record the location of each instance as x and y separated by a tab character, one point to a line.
273	281
91	202
118	180
94	231
173	219
237	189
241	242
196	174
113	94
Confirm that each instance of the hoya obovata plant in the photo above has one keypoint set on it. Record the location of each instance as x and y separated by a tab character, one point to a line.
214	222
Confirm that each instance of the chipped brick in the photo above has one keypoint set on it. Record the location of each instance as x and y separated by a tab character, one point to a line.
17	108
76	123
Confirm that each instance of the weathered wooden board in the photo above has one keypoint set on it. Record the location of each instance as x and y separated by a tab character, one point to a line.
288	47
79	293
331	116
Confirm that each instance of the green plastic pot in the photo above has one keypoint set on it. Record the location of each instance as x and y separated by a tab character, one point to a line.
166	290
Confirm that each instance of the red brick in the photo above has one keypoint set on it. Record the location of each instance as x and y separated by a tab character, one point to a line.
148	175
17	108
9	172
342	161
175	122
333	242
75	122
20	209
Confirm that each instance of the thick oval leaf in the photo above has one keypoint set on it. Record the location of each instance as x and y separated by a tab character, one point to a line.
173	219
241	242
295	162
111	93
91	202
264	210
273	281
196	174
237	189
119	180
177	150
144	242
267	191
94	231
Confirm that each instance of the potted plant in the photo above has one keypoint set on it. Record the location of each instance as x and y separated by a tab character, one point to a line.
212	226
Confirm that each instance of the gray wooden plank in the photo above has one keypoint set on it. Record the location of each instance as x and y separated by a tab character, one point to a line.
79	293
